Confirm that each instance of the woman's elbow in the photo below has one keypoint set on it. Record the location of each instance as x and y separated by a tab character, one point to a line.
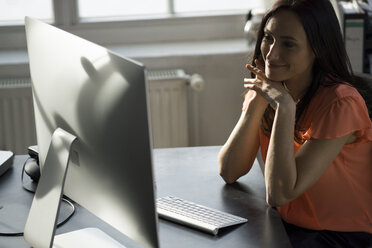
228	179
226	176
223	169
273	203
231	169
276	200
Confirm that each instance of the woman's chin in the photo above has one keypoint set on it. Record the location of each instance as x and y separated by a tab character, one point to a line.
275	77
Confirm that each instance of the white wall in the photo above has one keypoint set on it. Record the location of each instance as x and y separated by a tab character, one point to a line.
221	100
222	69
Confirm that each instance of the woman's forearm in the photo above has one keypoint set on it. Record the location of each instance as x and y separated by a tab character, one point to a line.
239	152
280	169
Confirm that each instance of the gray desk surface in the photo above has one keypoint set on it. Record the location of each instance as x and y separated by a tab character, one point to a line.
189	173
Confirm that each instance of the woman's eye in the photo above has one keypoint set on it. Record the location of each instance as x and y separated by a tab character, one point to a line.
289	44
267	37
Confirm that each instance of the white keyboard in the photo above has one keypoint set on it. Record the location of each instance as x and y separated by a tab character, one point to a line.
194	215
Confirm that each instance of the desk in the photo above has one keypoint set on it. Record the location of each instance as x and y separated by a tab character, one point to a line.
189	173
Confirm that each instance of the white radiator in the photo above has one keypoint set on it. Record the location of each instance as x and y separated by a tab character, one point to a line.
17	125
174	109
168	108
169	100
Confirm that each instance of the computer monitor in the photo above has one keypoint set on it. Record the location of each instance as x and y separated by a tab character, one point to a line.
100	98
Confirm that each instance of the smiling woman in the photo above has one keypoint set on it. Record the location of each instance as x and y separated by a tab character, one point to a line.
304	110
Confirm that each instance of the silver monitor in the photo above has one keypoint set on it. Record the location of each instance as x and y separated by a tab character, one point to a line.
100	98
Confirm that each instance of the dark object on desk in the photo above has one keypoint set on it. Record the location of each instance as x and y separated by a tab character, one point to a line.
6	161
33	151
32	168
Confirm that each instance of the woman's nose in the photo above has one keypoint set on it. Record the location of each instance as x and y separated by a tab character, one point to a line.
273	52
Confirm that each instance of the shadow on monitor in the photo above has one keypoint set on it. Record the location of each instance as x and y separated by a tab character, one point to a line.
96	100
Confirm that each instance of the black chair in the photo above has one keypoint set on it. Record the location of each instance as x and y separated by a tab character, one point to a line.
364	81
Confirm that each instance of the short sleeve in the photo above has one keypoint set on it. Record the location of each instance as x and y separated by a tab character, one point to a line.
341	117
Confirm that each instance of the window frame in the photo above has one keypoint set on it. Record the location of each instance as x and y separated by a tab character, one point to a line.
134	30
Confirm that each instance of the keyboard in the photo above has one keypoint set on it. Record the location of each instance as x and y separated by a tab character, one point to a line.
194	215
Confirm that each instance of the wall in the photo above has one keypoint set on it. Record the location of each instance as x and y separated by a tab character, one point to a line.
222	69
221	100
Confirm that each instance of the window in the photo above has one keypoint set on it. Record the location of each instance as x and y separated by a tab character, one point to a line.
117	8
182	6
112	22
13	11
111	8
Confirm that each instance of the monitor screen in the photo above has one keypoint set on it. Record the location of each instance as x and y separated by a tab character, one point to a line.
101	98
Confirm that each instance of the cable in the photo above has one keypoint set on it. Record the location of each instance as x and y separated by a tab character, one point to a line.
33	191
58	225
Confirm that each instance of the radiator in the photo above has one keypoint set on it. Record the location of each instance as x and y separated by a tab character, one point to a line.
17	123
169	101
168	108
174	108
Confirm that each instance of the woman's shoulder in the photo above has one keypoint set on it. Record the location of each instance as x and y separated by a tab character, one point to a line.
336	110
336	91
331	92
332	97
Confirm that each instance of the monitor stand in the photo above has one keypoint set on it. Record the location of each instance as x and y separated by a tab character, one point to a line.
88	237
42	219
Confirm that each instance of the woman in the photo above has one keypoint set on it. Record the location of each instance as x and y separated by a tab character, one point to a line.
304	111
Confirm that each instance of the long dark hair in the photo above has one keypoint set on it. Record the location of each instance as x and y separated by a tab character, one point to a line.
324	35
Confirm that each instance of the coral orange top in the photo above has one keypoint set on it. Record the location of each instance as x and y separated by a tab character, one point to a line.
341	200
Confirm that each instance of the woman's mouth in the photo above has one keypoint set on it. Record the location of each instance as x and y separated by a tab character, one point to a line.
274	65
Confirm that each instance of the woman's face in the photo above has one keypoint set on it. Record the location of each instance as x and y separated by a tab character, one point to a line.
285	49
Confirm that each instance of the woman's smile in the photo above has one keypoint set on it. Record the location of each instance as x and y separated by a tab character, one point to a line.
274	65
